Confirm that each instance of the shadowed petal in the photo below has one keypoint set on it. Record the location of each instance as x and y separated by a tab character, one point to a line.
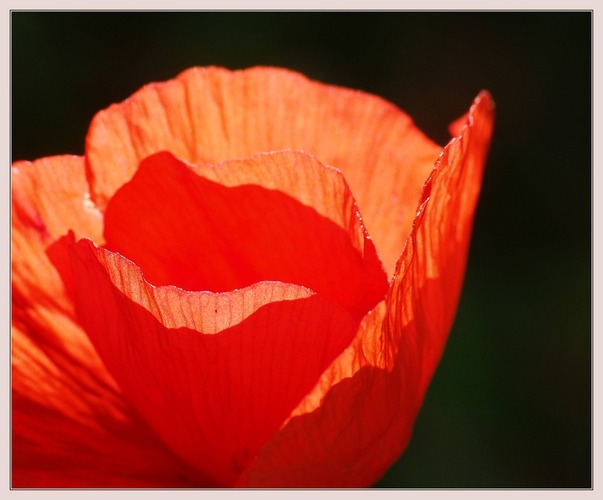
275	217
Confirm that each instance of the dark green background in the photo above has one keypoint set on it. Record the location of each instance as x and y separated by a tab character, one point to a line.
510	405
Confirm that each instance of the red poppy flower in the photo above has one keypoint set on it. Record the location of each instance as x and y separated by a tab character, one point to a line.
197	302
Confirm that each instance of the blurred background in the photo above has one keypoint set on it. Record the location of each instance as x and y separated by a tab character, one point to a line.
510	404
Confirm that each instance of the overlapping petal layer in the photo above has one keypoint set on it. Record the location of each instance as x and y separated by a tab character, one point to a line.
210	115
216	374
279	217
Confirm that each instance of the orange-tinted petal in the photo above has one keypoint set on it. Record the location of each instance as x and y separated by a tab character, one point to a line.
48	198
209	115
214	374
70	424
431	271
275	217
358	418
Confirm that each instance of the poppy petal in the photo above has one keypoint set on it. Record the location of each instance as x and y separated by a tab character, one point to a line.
275	217
70	425
214	374
436	255
359	417
208	115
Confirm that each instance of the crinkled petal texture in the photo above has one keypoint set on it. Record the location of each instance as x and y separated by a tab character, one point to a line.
210	115
197	302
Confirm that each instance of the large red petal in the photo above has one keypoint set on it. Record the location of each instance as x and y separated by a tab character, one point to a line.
253	354
70	424
359	417
274	217
209	115
214	374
